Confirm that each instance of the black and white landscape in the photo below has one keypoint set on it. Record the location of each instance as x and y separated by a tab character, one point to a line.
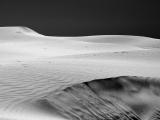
101	77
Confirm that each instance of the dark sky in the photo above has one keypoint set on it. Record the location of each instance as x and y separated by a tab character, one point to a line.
83	17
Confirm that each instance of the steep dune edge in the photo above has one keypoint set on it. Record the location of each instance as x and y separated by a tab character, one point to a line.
18	30
67	74
112	98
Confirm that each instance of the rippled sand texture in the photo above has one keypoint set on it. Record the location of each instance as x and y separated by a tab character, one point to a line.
85	78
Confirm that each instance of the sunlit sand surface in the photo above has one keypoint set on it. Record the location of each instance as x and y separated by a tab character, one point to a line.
89	78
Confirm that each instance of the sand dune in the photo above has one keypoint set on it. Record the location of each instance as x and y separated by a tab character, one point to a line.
36	70
122	39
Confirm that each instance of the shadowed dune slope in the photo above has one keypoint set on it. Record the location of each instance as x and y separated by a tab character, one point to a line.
125	97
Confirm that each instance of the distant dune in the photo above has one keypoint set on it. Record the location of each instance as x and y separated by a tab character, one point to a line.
89	77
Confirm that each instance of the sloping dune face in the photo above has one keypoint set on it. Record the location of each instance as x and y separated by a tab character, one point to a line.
106	77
